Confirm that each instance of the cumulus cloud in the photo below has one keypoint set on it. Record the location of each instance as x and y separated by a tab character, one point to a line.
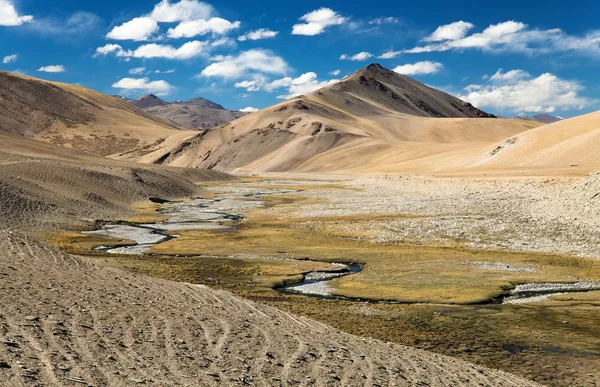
153	50
144	85
138	29
335	73
304	84
52	69
10	59
384	20
425	67
317	21
517	91
251	61
9	17
184	10
511	75
137	70
248	85
262	33
361	56
452	31
249	110
509	36
189	29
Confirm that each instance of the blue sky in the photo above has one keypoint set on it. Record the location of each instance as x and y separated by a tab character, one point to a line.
503	56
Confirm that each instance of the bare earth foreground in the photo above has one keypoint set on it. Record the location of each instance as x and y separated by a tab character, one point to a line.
66	321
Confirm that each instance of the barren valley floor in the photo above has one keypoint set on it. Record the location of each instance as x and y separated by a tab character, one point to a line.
440	251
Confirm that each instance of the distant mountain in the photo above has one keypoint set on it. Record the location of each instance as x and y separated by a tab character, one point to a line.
542	118
148	101
197	113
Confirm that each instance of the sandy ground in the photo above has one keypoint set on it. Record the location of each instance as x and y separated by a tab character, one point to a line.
558	215
65	321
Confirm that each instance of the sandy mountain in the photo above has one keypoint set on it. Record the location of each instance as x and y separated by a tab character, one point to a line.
197	113
565	144
374	120
77	117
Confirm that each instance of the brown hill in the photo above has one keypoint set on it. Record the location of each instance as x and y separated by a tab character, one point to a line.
77	117
571	143
375	120
197	113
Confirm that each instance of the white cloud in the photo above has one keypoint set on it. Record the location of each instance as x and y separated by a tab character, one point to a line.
138	29
384	20
111	48
519	92
425	67
184	10
361	56
452	31
248	85
262	33
137	70
257	61
509	36
144	84
389	54
249	110
511	75
186	51
10	59
9	17
304	84
189	29
335	73
317	21
52	69
153	50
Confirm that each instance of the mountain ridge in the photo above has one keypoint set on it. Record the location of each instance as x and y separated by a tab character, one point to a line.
373	109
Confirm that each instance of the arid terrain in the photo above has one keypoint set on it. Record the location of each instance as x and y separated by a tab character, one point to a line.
374	232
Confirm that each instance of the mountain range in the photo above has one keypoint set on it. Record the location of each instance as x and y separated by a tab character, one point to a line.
197	113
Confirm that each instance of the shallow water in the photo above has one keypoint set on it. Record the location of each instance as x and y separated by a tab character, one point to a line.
219	213
540	292
317	283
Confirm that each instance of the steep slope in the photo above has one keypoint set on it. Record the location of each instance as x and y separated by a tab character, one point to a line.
375	120
77	117
565	144
197	113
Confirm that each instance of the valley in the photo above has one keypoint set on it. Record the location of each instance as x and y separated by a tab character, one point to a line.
440	292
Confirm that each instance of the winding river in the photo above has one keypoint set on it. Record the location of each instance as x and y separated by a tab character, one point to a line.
222	213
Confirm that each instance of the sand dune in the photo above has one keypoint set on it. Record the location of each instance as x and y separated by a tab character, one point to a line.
571	143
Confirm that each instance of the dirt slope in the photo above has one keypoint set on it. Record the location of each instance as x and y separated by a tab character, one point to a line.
571	143
66	321
375	120
51	186
80	118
